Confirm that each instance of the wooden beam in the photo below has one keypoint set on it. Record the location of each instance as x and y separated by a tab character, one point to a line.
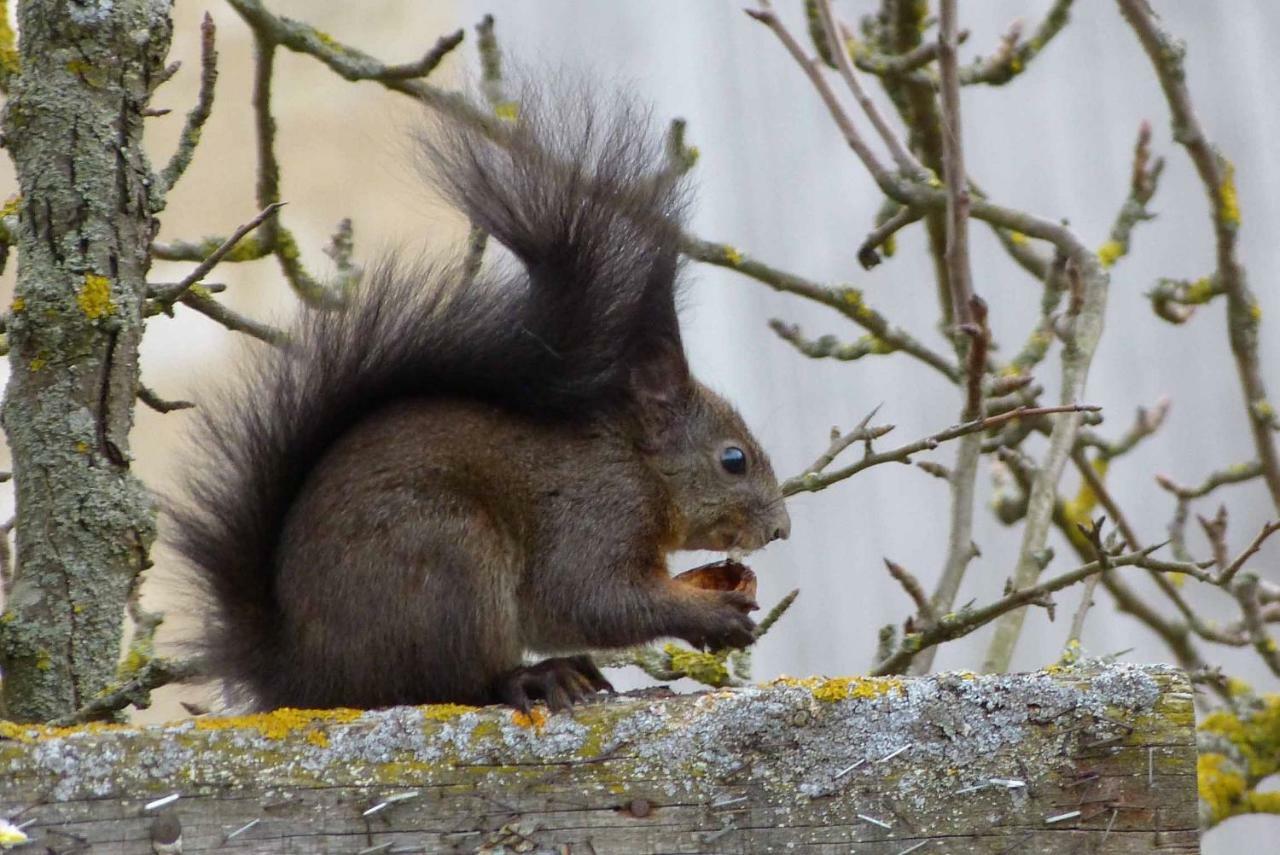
1100	758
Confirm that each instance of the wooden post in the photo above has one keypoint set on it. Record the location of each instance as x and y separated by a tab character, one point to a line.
1093	759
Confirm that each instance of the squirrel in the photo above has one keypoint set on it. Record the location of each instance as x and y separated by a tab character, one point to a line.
454	470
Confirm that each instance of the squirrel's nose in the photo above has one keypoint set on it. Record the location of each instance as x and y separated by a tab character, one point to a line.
782	527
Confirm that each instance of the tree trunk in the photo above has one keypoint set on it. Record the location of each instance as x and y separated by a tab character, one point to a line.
73	126
1063	761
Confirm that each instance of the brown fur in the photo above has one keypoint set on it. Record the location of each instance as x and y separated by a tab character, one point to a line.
447	473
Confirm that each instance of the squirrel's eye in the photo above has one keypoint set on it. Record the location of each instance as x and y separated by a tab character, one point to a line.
734	460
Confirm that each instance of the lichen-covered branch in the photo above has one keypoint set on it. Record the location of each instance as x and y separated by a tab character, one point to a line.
1217	174
847	301
1239	748
1045	762
1014	55
952	626
1143	182
1089	284
165	298
199	114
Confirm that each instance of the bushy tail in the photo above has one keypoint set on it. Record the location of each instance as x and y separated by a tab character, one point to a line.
579	196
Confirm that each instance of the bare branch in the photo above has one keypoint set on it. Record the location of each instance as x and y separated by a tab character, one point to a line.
1237	474
1144	179
969	620
1233	568
1246	593
168	297
912	586
969	314
814	481
1218	176
901	155
900	219
135	691
847	301
147	396
231	319
199	114
1014	55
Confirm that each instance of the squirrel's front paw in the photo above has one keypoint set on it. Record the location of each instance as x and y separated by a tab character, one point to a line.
723	622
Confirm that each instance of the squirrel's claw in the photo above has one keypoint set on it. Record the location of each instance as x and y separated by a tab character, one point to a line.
560	683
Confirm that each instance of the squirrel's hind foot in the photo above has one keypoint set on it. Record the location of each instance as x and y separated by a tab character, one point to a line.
560	682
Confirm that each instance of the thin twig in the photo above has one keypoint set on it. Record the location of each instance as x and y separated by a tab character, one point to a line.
199	114
233	320
814	481
900	219
969	620
1233	568
900	153
1217	174
969	314
148	396
847	301
172	295
1246	593
1015	55
135	691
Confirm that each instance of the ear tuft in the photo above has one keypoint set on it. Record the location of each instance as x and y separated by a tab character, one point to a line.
659	387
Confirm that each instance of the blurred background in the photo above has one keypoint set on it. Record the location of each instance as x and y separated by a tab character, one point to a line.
776	180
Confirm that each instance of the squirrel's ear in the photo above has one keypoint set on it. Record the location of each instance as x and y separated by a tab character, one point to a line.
659	385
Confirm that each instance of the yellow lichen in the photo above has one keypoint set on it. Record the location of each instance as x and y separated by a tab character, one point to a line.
1256	736
1228	198
833	689
1078	509
282	722
19	305
445	712
1109	253
1017	238
38	362
535	719
707	668
1221	790
1070	653
94	298
1237	688
11	206
15	732
879	346
1255	312
508	111
1199	291
732	256
31	733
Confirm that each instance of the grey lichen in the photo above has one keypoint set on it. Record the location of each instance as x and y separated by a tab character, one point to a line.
803	737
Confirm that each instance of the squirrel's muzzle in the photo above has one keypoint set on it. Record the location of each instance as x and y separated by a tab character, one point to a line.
781	525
